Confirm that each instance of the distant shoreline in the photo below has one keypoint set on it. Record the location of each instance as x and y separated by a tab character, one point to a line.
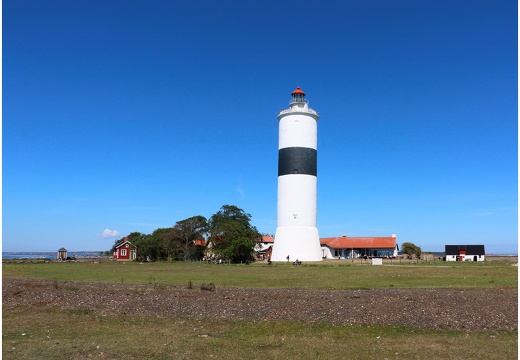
51	252
50	255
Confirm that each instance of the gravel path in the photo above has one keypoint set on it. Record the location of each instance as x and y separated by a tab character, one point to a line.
429	308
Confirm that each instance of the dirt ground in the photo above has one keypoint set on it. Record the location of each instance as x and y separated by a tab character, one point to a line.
429	308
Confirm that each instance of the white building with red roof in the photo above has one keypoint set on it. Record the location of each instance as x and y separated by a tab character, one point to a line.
264	245
353	247
346	247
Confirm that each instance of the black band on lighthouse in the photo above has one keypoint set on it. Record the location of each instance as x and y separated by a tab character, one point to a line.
297	160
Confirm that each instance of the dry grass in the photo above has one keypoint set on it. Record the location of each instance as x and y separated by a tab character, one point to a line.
46	333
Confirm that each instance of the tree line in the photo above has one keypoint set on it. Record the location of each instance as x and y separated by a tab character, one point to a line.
228	235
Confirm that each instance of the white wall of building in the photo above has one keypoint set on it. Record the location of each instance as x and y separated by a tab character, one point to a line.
465	257
298	129
299	243
297	201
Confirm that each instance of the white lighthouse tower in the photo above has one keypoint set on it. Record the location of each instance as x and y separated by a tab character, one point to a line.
296	234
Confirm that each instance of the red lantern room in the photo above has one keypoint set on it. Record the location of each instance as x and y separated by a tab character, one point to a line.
298	96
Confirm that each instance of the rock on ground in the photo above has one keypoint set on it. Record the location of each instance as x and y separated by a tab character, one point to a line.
491	309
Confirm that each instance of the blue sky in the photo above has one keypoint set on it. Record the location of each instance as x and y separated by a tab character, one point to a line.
130	116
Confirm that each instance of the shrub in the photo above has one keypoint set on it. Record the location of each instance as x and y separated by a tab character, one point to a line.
158	285
208	287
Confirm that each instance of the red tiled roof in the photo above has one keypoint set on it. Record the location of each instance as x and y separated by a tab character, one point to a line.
267	239
359	242
200	242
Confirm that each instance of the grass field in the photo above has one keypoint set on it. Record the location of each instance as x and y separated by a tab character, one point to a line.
49	333
329	275
87	336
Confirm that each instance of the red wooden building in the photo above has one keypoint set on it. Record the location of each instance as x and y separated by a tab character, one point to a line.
125	251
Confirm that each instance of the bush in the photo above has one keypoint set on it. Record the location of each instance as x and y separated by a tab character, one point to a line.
208	287
411	249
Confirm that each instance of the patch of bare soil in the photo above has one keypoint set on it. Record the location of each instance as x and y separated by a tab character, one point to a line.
429	308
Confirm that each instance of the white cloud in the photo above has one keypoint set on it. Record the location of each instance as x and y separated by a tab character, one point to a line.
107	234
241	191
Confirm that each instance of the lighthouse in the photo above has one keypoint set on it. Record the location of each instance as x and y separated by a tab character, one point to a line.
296	236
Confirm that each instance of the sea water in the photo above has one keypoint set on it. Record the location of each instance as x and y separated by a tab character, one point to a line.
28	255
51	255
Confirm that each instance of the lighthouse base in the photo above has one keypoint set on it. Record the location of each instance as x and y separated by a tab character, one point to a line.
299	243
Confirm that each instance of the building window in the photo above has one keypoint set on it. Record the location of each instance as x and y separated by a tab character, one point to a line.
123	252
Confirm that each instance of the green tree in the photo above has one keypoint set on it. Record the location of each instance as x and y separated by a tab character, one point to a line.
232	235
187	231
418	252
168	243
148	248
411	249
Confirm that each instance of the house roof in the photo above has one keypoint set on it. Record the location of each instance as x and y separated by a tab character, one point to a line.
200	242
262	248
267	239
123	243
359	242
470	249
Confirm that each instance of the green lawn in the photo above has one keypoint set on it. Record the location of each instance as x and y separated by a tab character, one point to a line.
328	275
